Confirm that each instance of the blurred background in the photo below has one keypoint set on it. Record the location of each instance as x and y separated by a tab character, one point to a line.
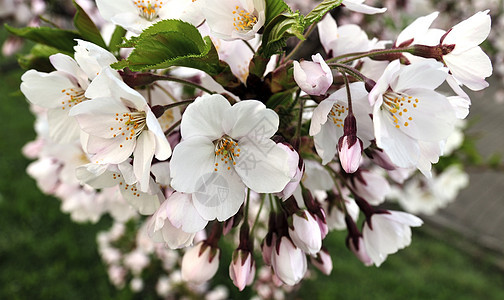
457	254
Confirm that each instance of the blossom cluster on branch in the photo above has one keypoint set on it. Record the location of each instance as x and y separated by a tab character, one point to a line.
194	121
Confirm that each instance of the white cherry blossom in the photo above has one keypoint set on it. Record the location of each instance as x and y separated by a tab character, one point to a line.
410	118
120	124
137	15
225	149
328	117
386	233
231	19
64	88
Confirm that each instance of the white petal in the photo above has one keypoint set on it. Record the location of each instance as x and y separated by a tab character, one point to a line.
143	154
191	160
469	33
219	195
357	6
319	116
204	117
263	166
250	119
433	118
162	147
470	68
109	8
110	151
426	74
62	128
45	89
183	214
417	28
326	142
65	63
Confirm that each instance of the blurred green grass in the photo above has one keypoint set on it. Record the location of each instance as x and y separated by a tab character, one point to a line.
44	255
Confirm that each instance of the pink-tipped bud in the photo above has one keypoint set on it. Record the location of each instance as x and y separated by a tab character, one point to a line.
350	155
359	251
322	262
288	262
322	223
200	263
242	269
313	77
350	146
294	172
267	246
306	232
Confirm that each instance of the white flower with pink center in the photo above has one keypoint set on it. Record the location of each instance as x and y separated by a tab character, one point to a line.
64	88
409	117
234	19
137	15
224	150
120	124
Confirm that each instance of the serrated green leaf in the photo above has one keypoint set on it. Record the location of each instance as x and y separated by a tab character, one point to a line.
86	27
274	8
63	40
283	26
320	10
116	39
172	43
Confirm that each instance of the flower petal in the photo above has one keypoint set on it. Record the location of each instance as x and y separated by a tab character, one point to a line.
219	195
250	119
143	154
204	117
258	158
191	160
183	214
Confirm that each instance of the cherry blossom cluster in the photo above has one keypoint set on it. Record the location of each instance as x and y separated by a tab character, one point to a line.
271	158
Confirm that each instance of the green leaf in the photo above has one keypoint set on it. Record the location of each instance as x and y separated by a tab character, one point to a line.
86	27
38	58
172	43
274	8
280	99
276	33
116	39
62	40
320	10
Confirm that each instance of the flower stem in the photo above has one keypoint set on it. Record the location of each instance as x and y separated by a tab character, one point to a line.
175	125
298	45
376	52
263	198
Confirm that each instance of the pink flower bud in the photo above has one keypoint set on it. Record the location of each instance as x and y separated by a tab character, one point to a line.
360	251
322	223
306	233
242	269
350	155
288	262
200	263
313	77
294	172
267	246
322	262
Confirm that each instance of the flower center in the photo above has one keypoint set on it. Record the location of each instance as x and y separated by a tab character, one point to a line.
226	149
74	95
131	124
148	9
243	21
337	114
398	104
